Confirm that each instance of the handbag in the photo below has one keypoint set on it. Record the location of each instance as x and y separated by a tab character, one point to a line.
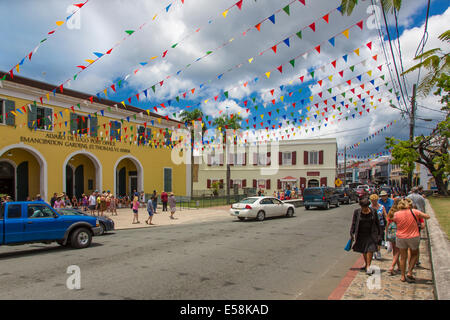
349	244
417	221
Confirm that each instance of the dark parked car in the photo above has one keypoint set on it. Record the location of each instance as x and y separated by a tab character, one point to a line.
321	197
106	224
347	195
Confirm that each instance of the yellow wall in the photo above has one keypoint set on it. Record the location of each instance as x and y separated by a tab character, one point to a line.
153	160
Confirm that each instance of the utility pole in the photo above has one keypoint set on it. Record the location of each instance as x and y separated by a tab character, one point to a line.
412	116
345	166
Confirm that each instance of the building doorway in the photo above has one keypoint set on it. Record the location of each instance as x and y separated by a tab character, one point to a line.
81	175
7	179
313	183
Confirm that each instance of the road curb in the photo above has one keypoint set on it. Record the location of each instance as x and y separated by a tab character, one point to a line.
340	290
439	247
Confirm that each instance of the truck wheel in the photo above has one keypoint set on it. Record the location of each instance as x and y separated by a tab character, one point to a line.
337	204
327	206
81	238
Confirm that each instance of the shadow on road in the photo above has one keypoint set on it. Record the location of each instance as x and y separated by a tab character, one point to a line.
39	250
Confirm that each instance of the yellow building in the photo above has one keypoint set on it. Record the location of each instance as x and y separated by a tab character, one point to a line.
67	141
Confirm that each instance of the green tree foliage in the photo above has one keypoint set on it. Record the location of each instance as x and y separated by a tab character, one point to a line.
388	5
436	62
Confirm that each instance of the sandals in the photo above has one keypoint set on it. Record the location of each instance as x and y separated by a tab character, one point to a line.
411	278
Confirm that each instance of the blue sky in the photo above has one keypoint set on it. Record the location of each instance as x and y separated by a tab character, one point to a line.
103	24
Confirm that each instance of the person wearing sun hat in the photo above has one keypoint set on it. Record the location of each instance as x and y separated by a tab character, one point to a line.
172	205
385	201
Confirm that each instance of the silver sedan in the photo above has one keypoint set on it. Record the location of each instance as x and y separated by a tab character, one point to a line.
261	208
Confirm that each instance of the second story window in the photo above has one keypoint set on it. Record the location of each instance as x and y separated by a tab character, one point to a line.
116	127
313	157
40	118
287	158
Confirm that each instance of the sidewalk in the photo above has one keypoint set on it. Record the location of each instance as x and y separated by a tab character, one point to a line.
364	287
124	218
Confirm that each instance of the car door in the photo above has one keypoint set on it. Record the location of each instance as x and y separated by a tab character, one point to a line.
278	207
267	206
42	223
13	224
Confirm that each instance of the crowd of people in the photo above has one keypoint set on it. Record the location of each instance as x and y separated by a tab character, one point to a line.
287	193
394	222
100	203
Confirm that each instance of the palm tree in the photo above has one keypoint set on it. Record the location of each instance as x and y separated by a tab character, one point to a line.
189	116
226	122
436	62
349	5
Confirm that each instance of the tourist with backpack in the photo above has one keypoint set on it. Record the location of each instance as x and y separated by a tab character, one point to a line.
391	237
382	218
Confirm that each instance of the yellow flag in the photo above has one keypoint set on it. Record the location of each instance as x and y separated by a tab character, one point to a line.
89	60
357	52
206	101
105	92
159	120
311	98
375	107
355	103
262	116
148	112
282	98
307	118
153	58
345	33
123	104
330	78
154	17
225	13
318	112
250	60
48	96
369	73
17	68
308	108
268	74
59	23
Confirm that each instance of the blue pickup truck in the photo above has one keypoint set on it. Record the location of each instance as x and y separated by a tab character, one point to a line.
36	221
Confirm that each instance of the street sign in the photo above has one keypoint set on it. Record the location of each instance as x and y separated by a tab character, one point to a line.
338	182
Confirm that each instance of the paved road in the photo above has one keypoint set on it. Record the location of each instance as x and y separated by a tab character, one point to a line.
282	258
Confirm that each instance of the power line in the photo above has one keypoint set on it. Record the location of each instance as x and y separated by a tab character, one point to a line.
393	56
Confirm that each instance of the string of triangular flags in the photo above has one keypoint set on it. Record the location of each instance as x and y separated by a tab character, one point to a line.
49	34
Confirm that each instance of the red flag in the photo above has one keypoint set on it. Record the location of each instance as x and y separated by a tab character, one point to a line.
325	17
40	98
113	88
303	2
334	63
341	73
349	82
318	48
92	99
164	54
280	68
258	26
375	57
61	88
239	4
379	67
109	51
360	24
313	26
82	67
29	56
79	5
274	48
369	45
301	78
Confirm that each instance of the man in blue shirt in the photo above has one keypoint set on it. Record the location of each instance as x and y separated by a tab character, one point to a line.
385	201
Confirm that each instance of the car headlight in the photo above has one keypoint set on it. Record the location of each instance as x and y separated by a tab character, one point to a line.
97	223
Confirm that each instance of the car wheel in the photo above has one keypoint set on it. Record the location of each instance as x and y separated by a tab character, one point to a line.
290	213
260	216
327	206
337	204
102	229
241	218
306	207
81	238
